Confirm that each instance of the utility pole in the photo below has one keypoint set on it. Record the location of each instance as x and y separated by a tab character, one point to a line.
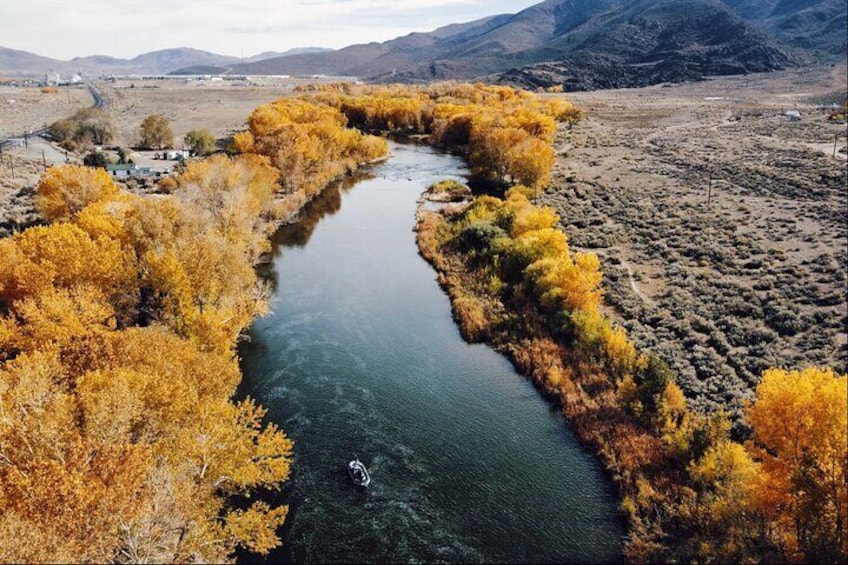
710	189
835	139
43	159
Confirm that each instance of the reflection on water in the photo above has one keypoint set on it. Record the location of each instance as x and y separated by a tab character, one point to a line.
297	234
327	203
361	357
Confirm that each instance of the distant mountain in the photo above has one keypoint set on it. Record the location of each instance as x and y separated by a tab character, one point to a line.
22	63
217	69
100	60
15	63
181	60
274	54
201	70
578	43
375	59
168	60
632	44
817	25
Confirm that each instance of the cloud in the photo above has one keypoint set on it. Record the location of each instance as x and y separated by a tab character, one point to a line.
125	28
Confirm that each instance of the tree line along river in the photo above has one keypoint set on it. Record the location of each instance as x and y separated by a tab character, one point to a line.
360	357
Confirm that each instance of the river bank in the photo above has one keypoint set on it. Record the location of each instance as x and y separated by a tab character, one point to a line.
514	284
360	356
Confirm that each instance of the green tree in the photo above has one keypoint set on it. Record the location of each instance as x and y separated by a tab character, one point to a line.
156	132
95	126
96	159
200	142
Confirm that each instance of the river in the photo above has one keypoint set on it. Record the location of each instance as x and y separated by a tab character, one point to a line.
360	356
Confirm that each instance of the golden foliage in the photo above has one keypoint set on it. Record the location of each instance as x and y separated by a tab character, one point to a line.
571	284
65	190
307	142
506	133
800	421
255	527
471	317
63	255
117	442
690	493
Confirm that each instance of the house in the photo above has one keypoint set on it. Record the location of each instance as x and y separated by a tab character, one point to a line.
177	155
793	115
128	170
120	171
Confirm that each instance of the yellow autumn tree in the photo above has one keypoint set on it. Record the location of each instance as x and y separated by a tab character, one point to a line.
306	141
800	422
120	443
727	524
63	255
507	134
65	190
55	485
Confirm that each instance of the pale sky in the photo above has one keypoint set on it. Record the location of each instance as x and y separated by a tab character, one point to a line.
64	29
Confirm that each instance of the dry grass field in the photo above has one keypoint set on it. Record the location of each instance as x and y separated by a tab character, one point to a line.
222	107
27	109
724	282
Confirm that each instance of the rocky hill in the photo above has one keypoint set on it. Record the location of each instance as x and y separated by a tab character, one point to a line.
819	26
649	42
580	44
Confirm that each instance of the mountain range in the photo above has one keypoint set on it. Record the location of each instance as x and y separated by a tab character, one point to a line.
580	44
24	64
583	44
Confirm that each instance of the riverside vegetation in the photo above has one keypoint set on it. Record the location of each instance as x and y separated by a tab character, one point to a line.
688	490
119	439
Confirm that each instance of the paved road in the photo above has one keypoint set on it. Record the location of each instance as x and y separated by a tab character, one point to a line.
99	101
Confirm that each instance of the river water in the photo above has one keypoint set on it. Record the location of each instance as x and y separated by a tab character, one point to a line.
361	357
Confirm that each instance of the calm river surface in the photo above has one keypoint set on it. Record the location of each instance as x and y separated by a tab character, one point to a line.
361	357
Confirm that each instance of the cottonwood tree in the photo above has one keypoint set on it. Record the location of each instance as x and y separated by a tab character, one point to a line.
200	142
800	422
120	443
64	191
155	132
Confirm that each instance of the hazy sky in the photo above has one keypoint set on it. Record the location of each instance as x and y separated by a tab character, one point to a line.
124	28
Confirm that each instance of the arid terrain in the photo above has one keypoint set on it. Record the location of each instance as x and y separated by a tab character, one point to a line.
219	106
27	109
756	277
216	105
23	110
